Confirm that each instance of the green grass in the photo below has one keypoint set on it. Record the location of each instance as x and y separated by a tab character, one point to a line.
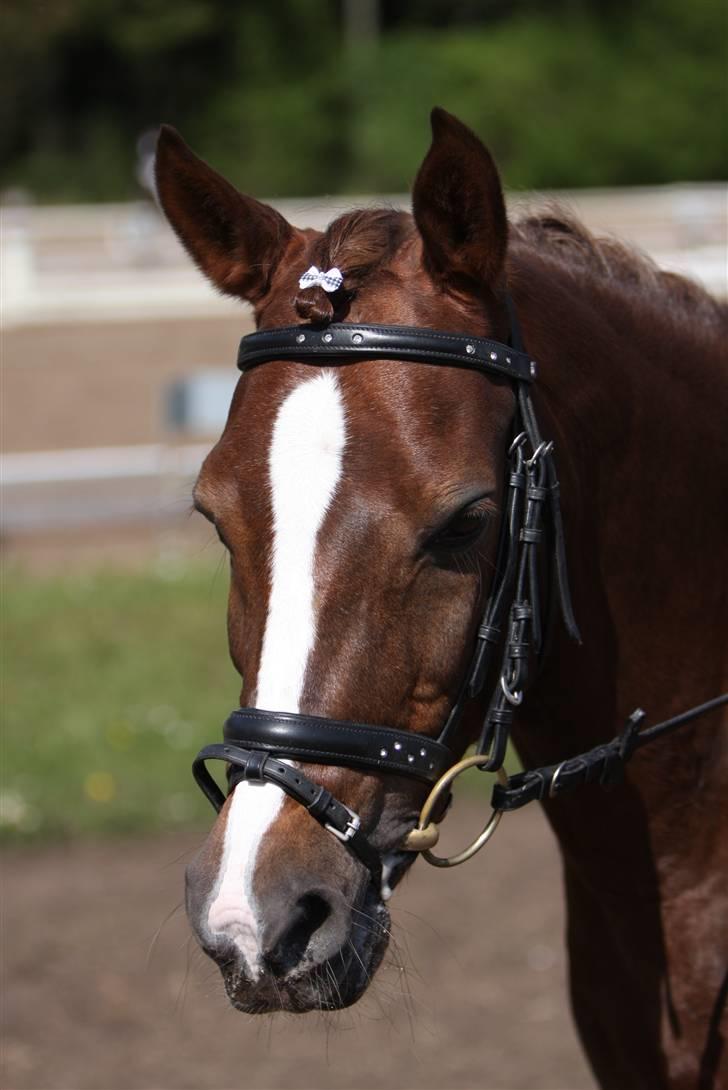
112	682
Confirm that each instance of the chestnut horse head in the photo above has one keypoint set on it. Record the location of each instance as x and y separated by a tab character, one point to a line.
360	509
364	508
365	500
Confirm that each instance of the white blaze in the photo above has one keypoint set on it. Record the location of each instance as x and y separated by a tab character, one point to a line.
253	808
305	467
304	462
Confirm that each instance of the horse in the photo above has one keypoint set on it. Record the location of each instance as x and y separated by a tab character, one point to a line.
362	498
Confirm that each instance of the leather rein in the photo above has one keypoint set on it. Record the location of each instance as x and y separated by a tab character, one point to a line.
258	744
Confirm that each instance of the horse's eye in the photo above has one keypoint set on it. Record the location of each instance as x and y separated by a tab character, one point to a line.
463	529
211	519
221	537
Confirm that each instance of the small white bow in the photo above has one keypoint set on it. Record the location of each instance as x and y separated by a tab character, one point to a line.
316	278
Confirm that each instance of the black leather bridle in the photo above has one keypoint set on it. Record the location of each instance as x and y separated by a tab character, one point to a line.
258	742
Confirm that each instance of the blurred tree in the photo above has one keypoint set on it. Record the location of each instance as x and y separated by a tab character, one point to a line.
284	100
640	101
450	13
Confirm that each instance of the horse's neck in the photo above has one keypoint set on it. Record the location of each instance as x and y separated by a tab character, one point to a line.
638	432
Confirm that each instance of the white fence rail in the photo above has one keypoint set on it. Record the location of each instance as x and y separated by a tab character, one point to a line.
111	262
70	264
101	463
57	489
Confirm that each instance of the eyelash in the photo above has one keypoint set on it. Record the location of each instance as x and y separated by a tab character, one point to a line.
447	538
210	518
221	537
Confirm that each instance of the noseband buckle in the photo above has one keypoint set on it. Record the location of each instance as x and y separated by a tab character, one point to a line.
350	829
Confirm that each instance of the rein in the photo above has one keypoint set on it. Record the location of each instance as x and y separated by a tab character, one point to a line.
258	743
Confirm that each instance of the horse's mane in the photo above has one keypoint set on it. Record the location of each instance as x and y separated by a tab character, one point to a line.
559	238
360	242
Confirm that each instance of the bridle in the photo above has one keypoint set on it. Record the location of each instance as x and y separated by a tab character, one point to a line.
258	743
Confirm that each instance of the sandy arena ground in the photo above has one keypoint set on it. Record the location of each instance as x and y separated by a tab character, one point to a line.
473	994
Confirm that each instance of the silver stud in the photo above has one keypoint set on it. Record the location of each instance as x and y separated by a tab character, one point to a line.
410	758
383	753
423	753
508	359
470	349
357	338
533	368
328	337
494	355
301	338
397	745
432	765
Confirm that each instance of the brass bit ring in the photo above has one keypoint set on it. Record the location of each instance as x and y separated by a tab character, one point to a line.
426	835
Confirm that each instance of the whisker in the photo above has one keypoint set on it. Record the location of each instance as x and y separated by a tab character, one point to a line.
181	996
155	937
358	958
182	855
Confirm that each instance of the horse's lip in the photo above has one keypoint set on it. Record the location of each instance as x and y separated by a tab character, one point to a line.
314	988
399	862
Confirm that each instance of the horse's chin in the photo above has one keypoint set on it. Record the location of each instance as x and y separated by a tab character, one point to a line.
337	983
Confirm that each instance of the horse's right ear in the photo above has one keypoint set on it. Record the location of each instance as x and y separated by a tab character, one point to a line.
236	241
458	206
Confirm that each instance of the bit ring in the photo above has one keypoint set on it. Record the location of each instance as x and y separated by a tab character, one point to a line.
426	835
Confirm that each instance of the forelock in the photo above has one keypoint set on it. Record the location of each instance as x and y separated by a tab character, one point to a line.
359	242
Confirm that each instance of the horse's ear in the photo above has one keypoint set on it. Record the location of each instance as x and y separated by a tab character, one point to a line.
235	240
458	205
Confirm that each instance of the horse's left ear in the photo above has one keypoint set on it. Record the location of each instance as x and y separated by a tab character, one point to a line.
236	240
458	205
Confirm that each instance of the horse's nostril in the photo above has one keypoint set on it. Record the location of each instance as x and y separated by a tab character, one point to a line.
309	913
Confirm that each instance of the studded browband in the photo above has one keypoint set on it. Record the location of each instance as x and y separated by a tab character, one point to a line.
340	342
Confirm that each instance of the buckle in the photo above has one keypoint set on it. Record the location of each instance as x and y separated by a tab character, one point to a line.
352	826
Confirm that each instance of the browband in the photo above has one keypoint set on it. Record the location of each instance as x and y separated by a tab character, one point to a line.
340	342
